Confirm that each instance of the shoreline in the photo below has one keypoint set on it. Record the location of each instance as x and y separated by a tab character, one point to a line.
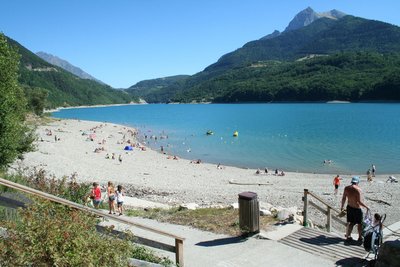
93	106
150	175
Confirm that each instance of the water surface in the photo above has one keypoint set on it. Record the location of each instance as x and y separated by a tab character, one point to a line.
292	137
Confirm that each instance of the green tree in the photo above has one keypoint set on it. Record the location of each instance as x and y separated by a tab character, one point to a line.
36	98
15	136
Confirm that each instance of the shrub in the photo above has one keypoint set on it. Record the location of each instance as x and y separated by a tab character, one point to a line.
49	234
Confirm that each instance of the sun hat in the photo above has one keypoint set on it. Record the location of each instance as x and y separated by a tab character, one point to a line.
355	180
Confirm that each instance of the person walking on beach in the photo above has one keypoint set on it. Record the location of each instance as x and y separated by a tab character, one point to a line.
373	170
369	177
354	203
96	194
120	159
120	198
336	183
111	197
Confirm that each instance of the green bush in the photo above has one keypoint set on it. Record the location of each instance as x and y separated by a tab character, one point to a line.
49	234
66	187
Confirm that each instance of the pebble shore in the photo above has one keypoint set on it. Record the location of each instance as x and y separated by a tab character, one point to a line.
153	176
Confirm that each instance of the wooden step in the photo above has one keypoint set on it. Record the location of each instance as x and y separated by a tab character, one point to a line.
326	245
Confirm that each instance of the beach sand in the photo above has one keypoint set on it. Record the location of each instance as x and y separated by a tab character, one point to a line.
152	176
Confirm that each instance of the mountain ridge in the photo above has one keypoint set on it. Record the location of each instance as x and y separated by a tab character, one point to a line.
322	37
62	63
61	87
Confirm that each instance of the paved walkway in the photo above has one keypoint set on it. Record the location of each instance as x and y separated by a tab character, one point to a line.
265	249
208	249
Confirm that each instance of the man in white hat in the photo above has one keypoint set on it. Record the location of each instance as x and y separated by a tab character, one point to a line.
354	203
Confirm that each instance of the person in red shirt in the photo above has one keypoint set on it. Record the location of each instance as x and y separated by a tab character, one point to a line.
96	192
336	183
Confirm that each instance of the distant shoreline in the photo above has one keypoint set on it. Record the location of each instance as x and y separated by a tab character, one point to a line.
93	106
232	103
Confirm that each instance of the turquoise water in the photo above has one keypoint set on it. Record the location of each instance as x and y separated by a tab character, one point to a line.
292	137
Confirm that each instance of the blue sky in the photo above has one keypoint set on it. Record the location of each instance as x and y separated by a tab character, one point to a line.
126	41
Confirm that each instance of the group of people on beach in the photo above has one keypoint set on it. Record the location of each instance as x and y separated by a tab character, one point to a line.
115	196
277	172
113	157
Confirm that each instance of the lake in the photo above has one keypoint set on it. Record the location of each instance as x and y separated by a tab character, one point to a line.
292	137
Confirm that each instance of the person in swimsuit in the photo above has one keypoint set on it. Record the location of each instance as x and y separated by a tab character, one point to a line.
352	193
111	197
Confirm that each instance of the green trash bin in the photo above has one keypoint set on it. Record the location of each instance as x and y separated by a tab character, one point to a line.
249	212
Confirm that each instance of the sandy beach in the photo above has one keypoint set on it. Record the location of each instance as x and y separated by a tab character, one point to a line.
153	176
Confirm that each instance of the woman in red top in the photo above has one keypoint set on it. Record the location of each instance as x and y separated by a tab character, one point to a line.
96	192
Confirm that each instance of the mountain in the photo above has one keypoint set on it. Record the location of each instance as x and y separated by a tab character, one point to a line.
54	60
261	69
154	90
348	76
323	36
308	16
61	87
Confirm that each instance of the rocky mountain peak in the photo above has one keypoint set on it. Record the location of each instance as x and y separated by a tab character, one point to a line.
308	16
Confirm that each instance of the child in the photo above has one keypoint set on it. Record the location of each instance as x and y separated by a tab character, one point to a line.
111	197
120	198
377	219
96	195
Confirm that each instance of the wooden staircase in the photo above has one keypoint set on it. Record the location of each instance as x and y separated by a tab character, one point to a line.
327	245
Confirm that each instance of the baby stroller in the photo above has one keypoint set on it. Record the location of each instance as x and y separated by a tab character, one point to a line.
373	233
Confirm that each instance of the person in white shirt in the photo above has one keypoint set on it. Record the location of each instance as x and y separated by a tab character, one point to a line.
120	198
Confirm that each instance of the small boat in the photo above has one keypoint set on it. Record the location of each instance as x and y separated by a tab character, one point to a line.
236	134
209	132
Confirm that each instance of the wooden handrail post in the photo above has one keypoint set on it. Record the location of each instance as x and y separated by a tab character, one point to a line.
179	252
329	219
305	199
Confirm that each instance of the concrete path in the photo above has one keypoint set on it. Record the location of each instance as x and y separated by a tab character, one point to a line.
208	249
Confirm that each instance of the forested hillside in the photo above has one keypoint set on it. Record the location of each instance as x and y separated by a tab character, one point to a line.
154	90
324	36
350	76
351	58
59	87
